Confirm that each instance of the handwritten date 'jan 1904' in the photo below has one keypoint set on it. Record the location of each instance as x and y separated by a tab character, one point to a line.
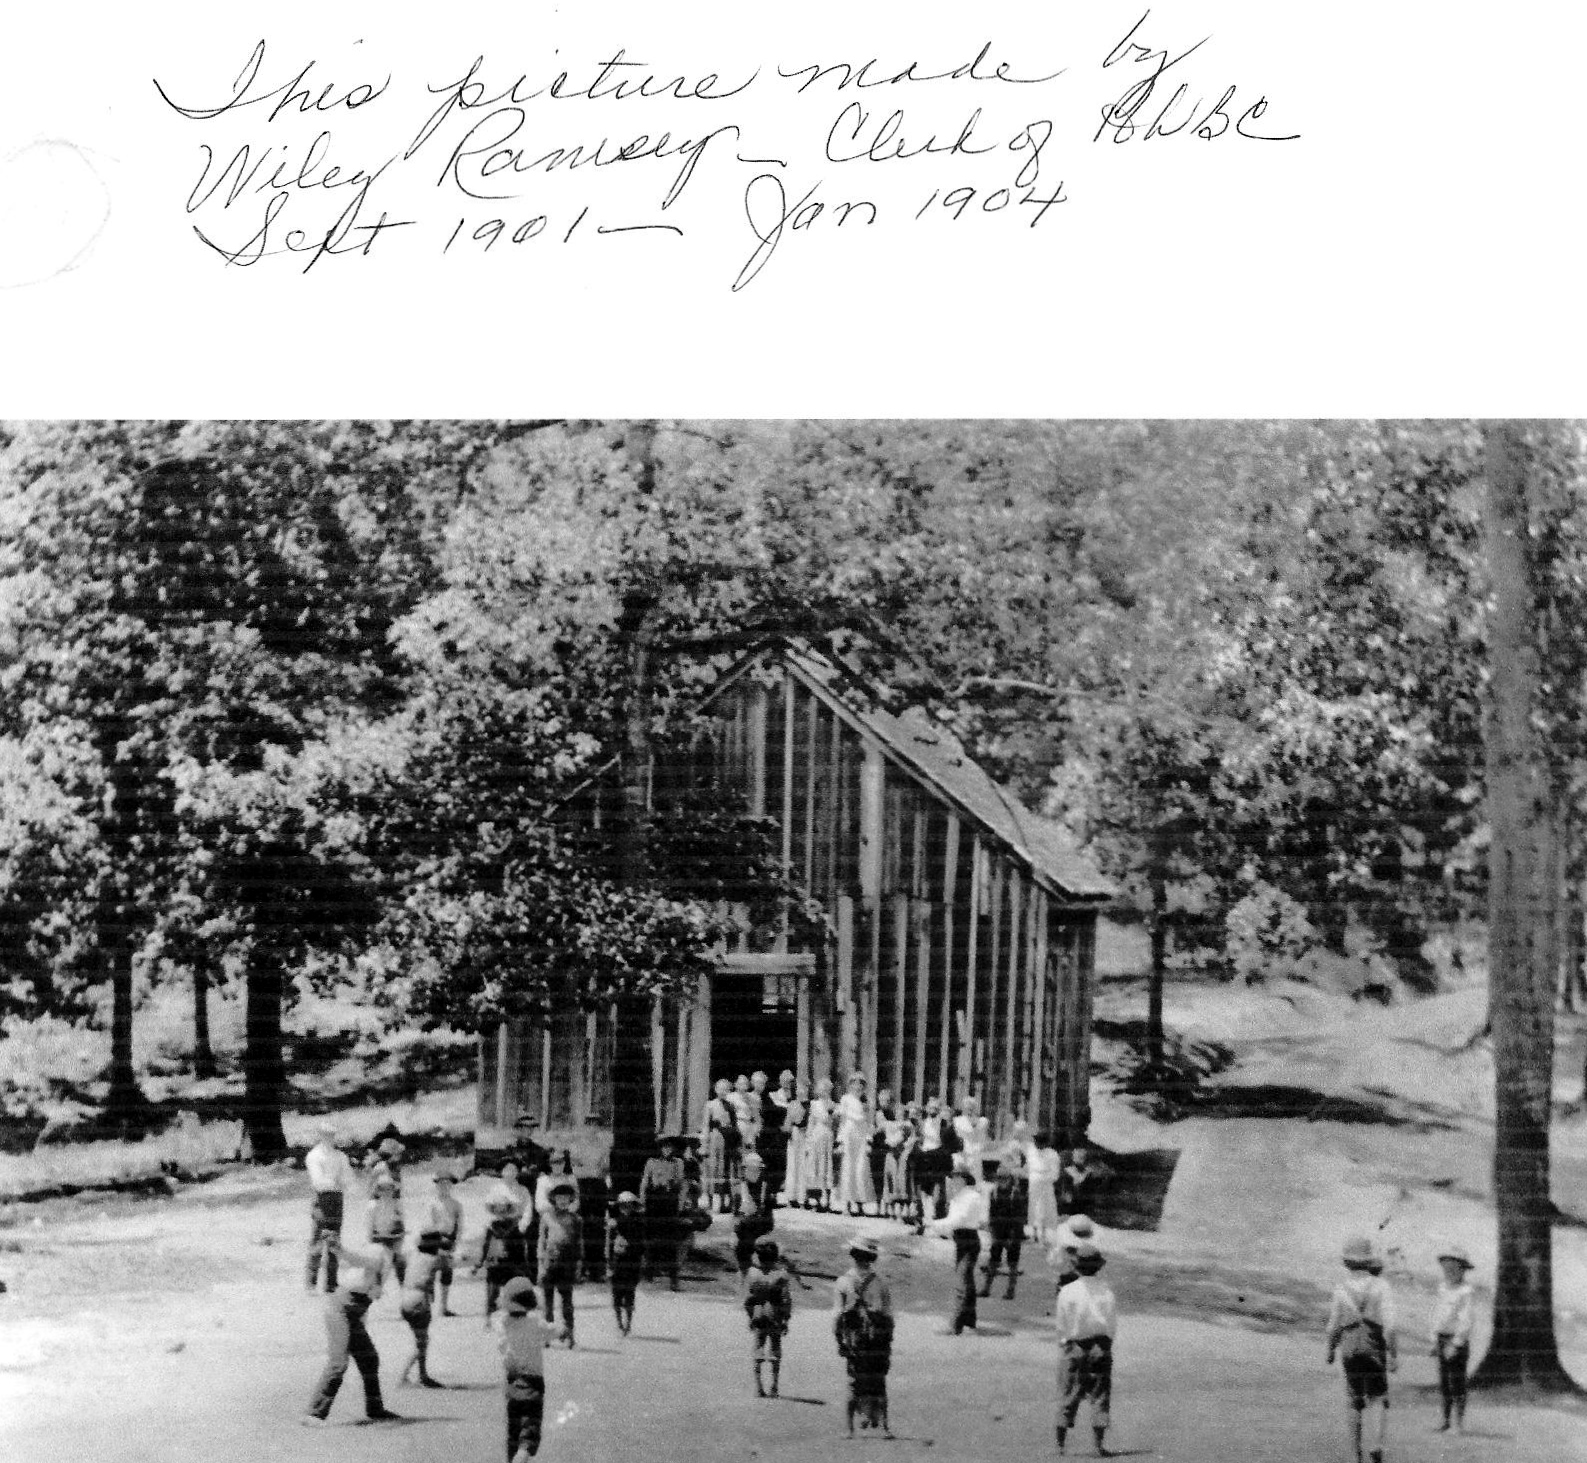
771	215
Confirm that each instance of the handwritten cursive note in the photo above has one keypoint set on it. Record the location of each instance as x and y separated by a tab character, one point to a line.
315	160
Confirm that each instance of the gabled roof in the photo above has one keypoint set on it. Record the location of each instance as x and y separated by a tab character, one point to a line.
939	759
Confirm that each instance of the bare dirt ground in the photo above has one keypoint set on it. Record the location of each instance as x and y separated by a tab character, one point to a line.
177	1331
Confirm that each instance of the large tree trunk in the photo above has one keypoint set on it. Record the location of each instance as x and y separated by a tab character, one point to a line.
264	1069
1523	883
633	1069
125	1104
1158	930
203	1052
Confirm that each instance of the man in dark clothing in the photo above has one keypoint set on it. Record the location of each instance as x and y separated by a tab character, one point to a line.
661	1191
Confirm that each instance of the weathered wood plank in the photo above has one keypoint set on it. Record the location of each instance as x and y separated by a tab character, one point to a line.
900	975
965	1085
1009	1098
950	878
755	733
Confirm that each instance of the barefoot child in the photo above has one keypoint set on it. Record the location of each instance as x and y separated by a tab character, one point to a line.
625	1256
862	1321
417	1286
501	1252
385	1220
768	1301
446	1219
522	1335
1452	1321
561	1243
1361	1332
1087	1319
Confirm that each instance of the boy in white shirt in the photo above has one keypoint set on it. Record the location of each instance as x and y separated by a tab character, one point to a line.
522	1336
1452	1322
1087	1320
330	1174
967	1216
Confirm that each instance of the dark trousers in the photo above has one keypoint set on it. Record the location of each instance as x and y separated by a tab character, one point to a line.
966	1251
325	1222
348	1339
526	1405
1009	1244
557	1281
1452	1364
663	1252
496	1276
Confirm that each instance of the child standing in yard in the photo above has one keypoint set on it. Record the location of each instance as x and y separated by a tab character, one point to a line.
1072	1233
522	1337
1452	1322
1361	1332
625	1256
501	1251
1087	1320
1042	1165
768	1300
330	1174
561	1245
862	1321
1006	1223
417	1287
347	1337
385	1220
445	1219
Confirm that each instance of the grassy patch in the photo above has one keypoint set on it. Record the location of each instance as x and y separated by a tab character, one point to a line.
187	1150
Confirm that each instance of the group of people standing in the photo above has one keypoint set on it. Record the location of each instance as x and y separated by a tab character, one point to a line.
806	1149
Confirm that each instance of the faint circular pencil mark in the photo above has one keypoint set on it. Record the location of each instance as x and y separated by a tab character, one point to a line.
57	206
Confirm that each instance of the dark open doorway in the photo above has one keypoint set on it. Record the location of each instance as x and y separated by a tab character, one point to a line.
754	1027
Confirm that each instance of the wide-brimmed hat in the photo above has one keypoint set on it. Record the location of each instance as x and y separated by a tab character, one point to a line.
628	1196
1088	1258
390	1148
863	1244
1457	1253
518	1295
1080	1225
1358	1253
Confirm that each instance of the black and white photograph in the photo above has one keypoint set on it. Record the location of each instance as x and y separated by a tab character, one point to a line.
716	939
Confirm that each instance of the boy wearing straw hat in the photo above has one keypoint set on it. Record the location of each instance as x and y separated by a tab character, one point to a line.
862	1322
1087	1320
522	1335
625	1255
1361	1331
561	1242
1452	1322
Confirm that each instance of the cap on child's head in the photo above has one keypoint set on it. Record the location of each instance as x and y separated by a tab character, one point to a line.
444	1176
628	1196
1358	1254
1088	1258
391	1148
499	1204
564	1187
383	1184
518	1296
1080	1225
1457	1253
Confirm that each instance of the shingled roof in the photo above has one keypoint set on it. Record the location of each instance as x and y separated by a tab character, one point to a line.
932	752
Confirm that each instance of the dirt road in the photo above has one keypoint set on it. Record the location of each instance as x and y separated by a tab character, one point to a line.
178	1331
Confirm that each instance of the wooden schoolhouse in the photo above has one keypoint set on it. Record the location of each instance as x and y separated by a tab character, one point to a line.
962	930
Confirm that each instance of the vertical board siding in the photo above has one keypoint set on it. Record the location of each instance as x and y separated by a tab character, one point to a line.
946	971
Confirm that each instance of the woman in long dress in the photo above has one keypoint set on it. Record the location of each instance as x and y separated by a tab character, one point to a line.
722	1147
855	1189
797	1108
819	1124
